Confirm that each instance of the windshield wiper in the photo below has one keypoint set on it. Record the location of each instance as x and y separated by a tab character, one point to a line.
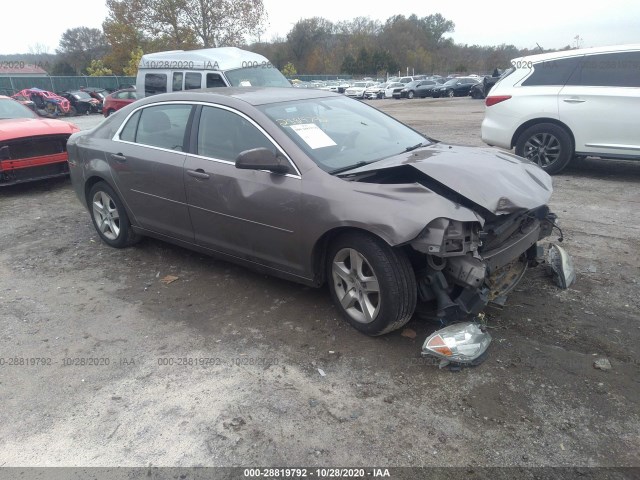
409	149
350	167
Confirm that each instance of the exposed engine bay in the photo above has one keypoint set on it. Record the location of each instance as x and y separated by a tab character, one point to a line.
463	266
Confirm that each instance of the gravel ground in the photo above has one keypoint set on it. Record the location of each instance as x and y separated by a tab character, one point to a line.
287	382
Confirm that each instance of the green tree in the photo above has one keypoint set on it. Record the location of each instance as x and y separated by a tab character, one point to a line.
363	62
97	69
62	68
289	70
349	65
79	46
308	36
132	67
156	25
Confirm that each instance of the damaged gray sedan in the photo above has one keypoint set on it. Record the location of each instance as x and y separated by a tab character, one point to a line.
320	189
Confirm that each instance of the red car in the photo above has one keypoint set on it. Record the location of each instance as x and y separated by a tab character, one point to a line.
31	148
47	103
117	100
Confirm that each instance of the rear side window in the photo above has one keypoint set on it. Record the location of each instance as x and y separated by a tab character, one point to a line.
155	83
608	70
552	72
163	126
192	81
128	133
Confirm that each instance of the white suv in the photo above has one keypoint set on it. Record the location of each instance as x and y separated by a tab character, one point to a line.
554	106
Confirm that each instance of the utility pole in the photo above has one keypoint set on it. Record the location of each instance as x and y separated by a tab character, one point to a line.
578	40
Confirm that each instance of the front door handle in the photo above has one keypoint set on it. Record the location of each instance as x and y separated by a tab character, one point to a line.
573	100
199	173
119	157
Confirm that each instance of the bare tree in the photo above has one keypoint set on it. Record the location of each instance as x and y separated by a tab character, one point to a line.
218	23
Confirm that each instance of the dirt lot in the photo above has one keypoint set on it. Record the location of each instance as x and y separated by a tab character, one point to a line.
65	297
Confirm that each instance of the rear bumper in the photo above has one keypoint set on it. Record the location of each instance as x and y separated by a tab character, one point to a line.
494	132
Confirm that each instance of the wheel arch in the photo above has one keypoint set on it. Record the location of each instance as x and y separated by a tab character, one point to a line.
322	245
537	121
95	178
90	182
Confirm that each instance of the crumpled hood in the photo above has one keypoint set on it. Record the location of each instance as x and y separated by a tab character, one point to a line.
496	180
13	128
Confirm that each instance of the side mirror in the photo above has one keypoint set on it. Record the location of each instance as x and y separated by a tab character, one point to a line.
261	159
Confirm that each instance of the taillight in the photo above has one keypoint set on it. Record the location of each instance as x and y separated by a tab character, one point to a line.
496	99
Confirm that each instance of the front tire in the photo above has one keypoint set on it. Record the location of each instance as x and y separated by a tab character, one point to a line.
372	284
410	94
451	94
109	217
546	144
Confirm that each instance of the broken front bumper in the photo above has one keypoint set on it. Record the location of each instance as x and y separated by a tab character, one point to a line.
462	275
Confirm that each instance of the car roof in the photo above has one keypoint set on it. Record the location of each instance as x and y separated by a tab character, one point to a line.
226	58
250	95
582	51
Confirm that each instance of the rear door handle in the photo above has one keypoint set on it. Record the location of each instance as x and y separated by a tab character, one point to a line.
199	173
573	100
119	157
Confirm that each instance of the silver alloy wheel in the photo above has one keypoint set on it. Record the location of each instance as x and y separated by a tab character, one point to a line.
106	216
543	149
356	285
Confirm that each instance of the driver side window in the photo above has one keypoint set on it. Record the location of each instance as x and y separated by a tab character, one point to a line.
223	135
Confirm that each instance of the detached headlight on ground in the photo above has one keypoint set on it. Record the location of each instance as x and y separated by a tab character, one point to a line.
463	343
564	274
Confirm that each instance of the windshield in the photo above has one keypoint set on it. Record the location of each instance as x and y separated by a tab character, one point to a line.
340	132
82	95
12	109
360	84
453	81
257	77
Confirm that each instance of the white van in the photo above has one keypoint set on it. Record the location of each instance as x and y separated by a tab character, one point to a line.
178	70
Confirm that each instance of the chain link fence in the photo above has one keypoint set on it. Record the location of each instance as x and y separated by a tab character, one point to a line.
13	84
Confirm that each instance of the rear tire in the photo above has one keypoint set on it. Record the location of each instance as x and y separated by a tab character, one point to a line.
372	284
109	217
546	144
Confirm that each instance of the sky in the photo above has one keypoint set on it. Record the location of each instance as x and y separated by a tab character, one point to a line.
549	23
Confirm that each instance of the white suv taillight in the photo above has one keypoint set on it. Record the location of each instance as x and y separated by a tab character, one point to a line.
496	99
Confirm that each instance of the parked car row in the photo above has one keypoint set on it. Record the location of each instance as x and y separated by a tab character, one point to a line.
417	86
83	101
